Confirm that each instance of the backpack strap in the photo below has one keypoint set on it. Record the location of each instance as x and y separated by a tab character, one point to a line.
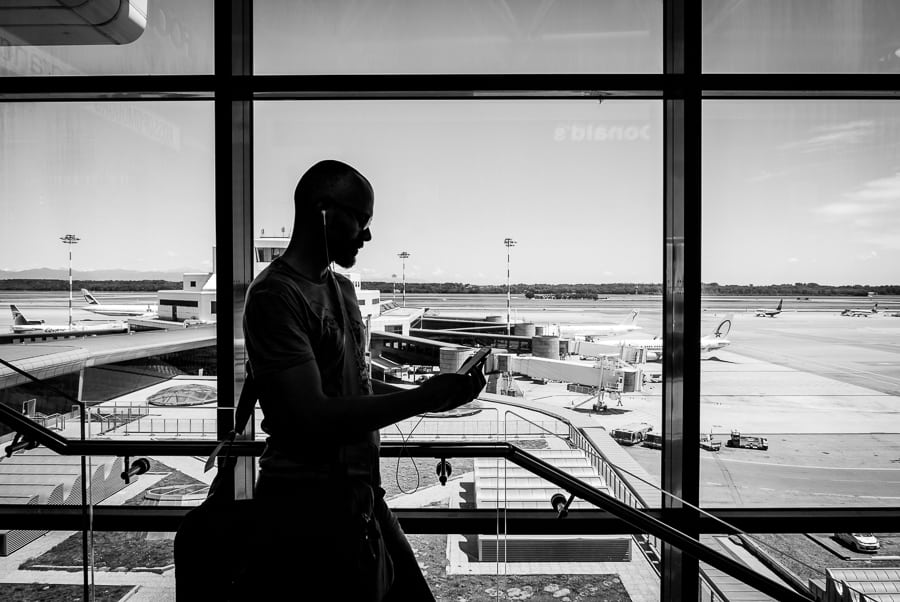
242	415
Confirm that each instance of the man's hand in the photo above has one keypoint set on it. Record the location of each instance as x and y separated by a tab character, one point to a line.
448	391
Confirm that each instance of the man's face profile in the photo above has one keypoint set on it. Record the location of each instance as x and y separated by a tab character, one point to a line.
349	219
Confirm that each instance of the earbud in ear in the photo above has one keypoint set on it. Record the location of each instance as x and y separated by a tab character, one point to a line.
324	219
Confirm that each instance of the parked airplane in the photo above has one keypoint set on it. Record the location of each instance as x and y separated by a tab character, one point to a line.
95	306
22	324
588	331
762	312
714	340
860	313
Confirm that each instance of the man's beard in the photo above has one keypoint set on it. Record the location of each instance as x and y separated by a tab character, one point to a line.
346	260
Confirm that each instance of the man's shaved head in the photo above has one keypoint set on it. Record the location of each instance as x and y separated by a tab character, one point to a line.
326	180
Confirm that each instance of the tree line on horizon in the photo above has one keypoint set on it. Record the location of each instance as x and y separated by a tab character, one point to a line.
591	291
44	284
562	291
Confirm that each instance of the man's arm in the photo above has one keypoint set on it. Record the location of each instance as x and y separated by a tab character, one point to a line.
295	395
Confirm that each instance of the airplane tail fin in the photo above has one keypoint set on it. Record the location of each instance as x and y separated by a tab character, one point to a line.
723	327
780	301
89	297
631	318
19	318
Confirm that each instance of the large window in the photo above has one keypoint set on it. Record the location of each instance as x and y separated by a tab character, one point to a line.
750	226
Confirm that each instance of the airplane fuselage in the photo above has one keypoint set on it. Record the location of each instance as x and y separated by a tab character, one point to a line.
597	330
121	310
106	309
51	328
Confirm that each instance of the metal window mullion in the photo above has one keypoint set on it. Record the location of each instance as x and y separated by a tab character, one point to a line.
233	213
681	293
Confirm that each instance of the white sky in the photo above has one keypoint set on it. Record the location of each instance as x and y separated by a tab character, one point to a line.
792	190
453	179
801	191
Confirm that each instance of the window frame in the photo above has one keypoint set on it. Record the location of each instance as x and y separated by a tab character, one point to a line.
681	87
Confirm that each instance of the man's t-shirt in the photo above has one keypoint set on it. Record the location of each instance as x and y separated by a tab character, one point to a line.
290	320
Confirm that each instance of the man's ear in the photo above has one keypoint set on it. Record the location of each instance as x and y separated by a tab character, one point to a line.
322	208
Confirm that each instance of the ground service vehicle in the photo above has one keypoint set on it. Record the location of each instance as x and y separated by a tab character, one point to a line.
707	442
747	441
652	440
631	434
861	542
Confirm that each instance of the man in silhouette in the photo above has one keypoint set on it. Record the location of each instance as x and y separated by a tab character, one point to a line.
319	473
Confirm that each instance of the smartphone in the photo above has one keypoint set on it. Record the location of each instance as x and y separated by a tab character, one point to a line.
477	359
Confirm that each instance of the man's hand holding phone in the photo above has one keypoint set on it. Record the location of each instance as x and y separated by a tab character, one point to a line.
450	391
476	360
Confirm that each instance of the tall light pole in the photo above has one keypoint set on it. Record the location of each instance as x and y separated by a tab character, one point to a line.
404	256
70	239
509	243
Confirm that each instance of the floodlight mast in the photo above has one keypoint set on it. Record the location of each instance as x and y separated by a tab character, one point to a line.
509	243
70	239
403	255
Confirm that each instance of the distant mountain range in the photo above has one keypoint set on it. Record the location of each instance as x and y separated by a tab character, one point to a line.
63	274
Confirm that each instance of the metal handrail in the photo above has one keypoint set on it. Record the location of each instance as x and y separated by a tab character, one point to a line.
656	527
636	518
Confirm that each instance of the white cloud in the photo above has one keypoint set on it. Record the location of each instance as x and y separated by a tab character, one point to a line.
868	256
762	176
793	259
871	213
840	210
438	271
882	189
887	237
830	136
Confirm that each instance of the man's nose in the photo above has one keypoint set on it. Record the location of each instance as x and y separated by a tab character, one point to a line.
366	235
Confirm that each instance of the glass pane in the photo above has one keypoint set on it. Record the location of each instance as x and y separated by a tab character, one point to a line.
800	204
415	36
801	36
576	185
157	37
120	196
